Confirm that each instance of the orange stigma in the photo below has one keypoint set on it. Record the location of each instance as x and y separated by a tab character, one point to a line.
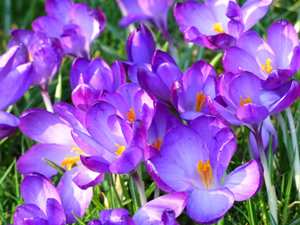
120	149
157	144
267	67
69	162
205	171
131	115
244	101
217	27
200	100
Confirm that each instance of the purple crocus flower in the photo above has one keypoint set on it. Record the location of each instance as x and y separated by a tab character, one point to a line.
90	79
8	124
44	53
141	10
74	24
196	90
42	203
277	57
132	103
160	211
159	80
193	159
118	146
268	135
247	101
140	48
216	24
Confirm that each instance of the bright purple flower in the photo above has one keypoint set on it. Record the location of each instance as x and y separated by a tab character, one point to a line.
277	57
159	80
140	49
160	211
216	24
118	146
44	53
196	90
248	101
194	160
269	135
132	103
15	75
53	132
141	10
90	79
42	203
8	124
74	24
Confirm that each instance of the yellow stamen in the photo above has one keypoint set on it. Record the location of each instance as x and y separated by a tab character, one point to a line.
120	149
244	101
200	100
77	150
30	57
157	144
205	171
217	27
69	162
267	67
131	115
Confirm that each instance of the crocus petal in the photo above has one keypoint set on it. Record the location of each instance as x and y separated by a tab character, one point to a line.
48	25
283	38
128	161
8	124
252	113
253	11
74	199
140	45
115	217
29	213
206	206
15	84
86	178
95	163
36	189
46	127
83	96
58	9
175	156
35	160
244	181
153	211
55	212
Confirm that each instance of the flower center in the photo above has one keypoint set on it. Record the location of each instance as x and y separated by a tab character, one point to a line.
205	171
244	101
120	149
217	27
131	115
69	162
200	100
157	144
267	67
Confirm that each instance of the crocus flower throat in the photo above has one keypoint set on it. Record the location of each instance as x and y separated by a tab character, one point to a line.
205	171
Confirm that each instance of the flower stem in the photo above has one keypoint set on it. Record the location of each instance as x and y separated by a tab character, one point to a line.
296	162
272	198
139	183
46	98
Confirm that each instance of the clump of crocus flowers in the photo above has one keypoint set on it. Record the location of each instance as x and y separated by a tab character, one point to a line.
146	111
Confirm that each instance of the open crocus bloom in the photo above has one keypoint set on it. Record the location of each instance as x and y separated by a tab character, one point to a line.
114	145
160	211
132	103
196	91
217	23
45	54
90	79
159	80
248	101
277	57
74	24
194	160
141	10
42	203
